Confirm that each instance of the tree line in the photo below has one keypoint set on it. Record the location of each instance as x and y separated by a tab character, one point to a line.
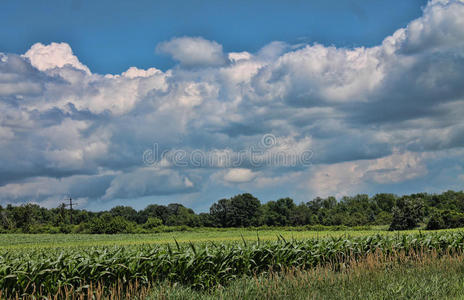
434	211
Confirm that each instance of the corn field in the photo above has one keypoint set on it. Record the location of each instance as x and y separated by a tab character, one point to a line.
200	266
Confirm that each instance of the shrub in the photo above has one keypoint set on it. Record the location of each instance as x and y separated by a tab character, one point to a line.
152	222
43	228
445	219
435	222
110	225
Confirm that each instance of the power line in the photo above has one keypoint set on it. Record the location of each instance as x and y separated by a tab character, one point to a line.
70	208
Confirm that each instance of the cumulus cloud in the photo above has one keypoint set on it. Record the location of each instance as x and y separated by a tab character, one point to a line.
146	182
369	116
352	177
50	192
55	55
18	78
238	175
193	51
440	27
238	56
134	72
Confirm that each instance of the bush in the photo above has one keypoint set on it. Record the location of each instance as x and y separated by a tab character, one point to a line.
110	225
383	218
152	223
43	228
65	228
445	219
435	222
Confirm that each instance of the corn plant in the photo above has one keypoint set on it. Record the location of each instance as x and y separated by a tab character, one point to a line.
201	265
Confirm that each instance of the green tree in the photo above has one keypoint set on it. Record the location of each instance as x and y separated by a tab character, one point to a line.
181	215
153	210
385	201
245	210
126	212
239	211
220	213
407	213
279	213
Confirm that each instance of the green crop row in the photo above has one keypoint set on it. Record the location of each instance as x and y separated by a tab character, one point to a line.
197	265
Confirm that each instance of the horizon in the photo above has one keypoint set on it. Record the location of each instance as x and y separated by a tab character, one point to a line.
231	196
127	105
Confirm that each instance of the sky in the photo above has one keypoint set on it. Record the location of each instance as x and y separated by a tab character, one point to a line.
120	103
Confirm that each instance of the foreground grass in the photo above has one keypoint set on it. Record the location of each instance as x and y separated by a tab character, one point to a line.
412	275
206	266
426	277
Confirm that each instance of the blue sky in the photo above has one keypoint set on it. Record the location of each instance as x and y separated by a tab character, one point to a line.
111	36
190	102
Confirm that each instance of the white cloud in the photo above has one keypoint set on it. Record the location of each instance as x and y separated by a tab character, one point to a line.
55	55
134	72
50	192
148	181
19	88
193	51
3	57
239	56
352	177
272	181
239	175
396	168
272	51
316	74
441	26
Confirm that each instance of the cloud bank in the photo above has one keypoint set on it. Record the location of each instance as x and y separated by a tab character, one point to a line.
387	117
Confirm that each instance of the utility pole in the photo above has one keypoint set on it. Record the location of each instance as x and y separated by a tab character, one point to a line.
70	209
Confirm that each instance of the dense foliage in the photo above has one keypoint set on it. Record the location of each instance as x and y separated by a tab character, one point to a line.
406	212
200	265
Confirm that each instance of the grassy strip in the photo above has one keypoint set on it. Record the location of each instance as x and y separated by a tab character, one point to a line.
400	277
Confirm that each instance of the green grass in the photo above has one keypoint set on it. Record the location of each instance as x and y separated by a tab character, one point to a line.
12	241
35	241
426	278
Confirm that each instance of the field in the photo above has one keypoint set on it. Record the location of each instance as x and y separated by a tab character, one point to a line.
222	263
21	241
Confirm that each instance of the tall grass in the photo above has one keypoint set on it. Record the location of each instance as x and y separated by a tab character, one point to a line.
417	276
